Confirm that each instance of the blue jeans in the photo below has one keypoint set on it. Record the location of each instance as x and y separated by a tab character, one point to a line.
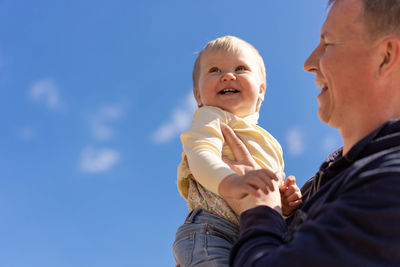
204	240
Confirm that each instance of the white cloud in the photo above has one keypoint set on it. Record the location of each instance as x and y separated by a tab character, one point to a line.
47	91
98	160
179	120
100	122
295	142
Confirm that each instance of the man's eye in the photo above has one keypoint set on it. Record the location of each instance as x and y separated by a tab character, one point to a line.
240	68
214	69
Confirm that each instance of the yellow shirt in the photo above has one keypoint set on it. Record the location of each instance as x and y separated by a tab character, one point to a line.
203	145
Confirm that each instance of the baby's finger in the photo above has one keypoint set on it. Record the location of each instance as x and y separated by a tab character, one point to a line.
294	197
283	188
296	203
291	180
292	189
289	191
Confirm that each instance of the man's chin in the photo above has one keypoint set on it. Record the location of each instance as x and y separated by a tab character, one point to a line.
323	116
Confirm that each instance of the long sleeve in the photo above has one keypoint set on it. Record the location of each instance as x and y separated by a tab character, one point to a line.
351	223
202	144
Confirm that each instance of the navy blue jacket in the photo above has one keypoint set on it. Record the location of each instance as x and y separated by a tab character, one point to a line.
350	214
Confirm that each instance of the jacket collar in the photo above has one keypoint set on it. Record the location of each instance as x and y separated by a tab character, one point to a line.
385	136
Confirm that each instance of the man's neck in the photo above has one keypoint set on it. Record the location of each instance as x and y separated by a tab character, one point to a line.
353	134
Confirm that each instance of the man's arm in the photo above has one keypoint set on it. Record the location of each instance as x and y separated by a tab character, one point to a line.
358	227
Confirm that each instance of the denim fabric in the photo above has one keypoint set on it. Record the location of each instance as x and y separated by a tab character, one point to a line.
204	240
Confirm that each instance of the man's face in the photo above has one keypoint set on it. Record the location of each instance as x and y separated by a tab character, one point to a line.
230	81
343	66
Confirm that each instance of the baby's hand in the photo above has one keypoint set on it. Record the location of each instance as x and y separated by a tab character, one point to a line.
239	186
290	196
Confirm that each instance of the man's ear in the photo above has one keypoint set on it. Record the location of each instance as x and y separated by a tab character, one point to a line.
197	96
389	56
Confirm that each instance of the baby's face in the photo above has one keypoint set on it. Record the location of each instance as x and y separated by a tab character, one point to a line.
231	81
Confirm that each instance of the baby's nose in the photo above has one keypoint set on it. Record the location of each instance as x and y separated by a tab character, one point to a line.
228	76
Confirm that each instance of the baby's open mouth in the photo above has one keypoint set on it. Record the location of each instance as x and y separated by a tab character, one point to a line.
228	91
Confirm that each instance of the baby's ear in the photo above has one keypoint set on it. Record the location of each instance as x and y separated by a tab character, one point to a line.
197	96
262	92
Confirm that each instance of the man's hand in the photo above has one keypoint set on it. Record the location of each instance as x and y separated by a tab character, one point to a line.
244	164
239	186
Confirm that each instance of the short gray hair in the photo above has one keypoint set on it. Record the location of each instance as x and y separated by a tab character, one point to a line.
381	16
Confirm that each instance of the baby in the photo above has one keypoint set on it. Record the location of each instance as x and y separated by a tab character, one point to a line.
229	85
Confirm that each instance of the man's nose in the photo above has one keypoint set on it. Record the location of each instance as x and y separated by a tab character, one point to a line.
228	76
312	62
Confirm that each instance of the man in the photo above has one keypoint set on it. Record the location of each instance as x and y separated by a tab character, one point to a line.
351	208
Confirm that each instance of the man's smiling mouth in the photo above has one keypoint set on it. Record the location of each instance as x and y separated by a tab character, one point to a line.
322	85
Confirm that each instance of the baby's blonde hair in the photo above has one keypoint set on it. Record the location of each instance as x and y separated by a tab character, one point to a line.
228	44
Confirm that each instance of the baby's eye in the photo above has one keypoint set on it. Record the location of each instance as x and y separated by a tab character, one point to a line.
240	68
214	69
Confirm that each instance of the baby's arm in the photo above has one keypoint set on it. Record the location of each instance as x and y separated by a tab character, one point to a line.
203	144
290	196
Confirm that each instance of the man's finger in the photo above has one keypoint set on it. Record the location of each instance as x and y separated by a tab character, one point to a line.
250	190
233	165
238	148
268	177
259	182
229	162
268	174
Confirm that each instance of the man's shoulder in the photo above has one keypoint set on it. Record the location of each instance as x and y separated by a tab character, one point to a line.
389	157
382	167
382	149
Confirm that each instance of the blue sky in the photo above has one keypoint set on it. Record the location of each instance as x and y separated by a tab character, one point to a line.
93	97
